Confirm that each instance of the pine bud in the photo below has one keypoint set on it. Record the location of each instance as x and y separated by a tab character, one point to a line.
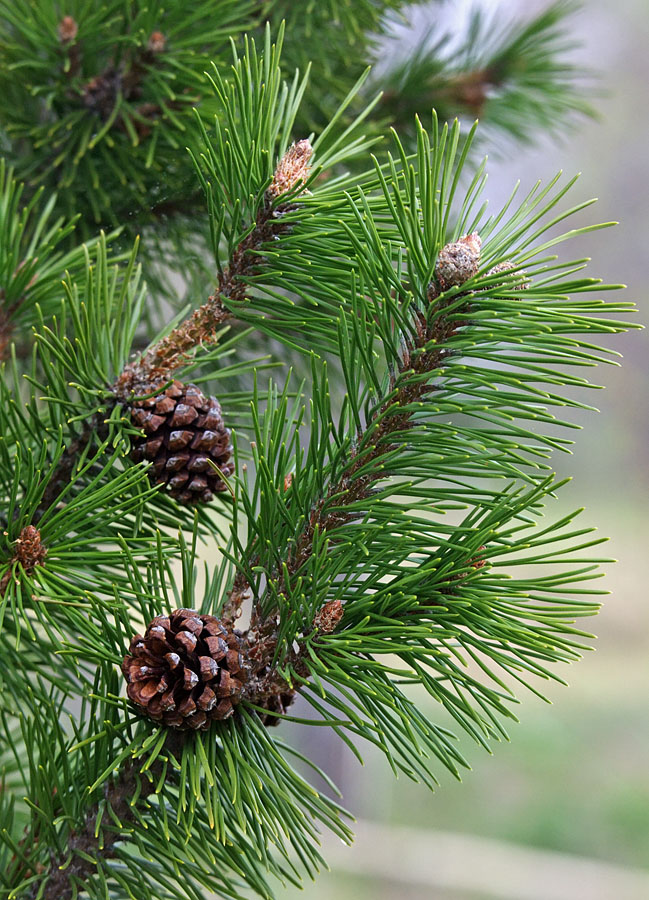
68	29
478	561
508	266
329	616
292	169
459	261
157	42
30	551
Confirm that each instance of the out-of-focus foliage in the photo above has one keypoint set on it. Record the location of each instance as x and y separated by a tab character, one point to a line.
96	101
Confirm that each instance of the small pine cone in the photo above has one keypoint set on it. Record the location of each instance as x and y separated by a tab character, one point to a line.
187	671
183	434
292	169
68	29
505	267
459	261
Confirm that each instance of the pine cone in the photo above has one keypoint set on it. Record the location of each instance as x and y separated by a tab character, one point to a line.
187	671
459	261
505	267
183	431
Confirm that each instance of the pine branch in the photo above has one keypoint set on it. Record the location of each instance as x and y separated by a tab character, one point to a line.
323	611
102	92
515	76
78	863
63	471
161	360
391	418
359	585
94	828
200	329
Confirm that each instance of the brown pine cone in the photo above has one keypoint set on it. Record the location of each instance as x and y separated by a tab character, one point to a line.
187	671
183	431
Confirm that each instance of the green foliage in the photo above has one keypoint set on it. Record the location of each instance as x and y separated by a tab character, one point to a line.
405	501
96	103
514	76
33	257
338	39
102	116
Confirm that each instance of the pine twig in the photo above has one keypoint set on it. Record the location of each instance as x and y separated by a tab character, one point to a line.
456	263
156	365
83	846
62	474
101	92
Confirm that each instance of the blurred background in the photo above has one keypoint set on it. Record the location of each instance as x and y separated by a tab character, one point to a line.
562	811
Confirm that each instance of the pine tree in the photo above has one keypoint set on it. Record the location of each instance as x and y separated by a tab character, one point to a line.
357	395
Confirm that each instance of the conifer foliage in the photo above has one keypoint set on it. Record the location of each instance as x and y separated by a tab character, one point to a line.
379	506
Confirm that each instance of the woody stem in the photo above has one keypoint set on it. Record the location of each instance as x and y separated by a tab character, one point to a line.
84	846
158	362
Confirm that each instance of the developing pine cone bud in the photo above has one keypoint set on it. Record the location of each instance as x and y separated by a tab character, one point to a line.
28	552
477	562
29	549
507	266
187	671
68	29
329	616
292	169
459	261
183	435
156	42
